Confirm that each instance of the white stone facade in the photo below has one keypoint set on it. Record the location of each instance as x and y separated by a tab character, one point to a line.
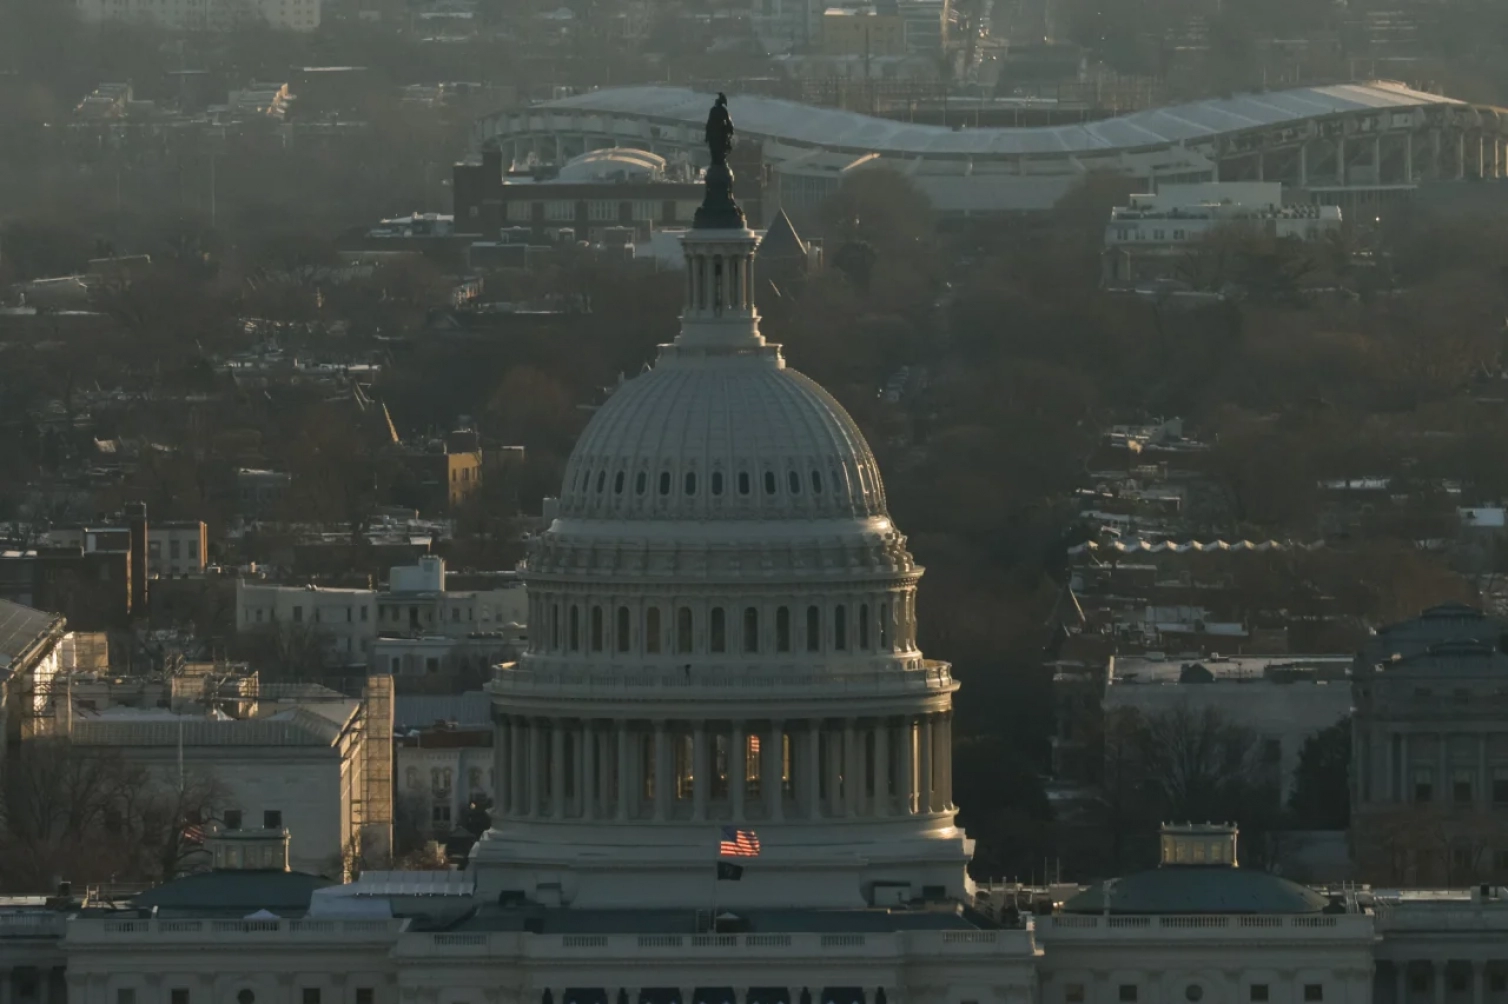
723	635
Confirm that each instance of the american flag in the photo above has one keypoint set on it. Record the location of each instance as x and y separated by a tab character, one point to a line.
738	843
193	833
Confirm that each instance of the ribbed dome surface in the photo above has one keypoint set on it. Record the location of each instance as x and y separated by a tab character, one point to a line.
734	436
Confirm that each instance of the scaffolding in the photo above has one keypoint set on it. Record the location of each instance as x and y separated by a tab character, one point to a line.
374	809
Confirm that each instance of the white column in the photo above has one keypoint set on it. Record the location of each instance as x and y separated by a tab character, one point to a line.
881	804
662	771
812	770
515	767
623	779
699	776
738	773
833	739
536	772
924	772
581	790
557	769
906	783
853	771
500	764
945	761
770	780
589	768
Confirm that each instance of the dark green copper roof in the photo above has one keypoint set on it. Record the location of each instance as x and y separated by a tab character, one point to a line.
1193	889
234	893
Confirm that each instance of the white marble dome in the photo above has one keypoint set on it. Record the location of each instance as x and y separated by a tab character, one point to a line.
722	436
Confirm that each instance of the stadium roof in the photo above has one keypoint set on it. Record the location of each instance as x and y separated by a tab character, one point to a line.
778	119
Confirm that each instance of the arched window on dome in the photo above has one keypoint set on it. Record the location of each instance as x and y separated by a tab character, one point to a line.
618	483
621	635
641	481
794	481
575	628
596	629
691	482
554	627
683	631
664	482
717	482
652	630
884	620
743	482
814	629
751	629
769	482
717	630
863	627
816	482
840	627
782	629
601	481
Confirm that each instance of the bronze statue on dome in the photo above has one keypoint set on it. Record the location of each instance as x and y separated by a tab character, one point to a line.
719	130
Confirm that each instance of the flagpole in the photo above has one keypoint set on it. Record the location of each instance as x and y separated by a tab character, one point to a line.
717	859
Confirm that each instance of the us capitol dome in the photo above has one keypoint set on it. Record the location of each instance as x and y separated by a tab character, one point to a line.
722	638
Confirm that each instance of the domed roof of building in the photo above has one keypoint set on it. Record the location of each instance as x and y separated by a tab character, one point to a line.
1208	889
722	436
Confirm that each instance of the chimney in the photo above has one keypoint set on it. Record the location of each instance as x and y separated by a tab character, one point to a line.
136	518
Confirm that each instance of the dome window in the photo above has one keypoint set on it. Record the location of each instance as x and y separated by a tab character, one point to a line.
621	634
884	620
596	629
1193	993
618	483
782	629
601	481
814	629
652	630
718	629
717	482
664	482
769	482
641	481
751	629
840	627
816	482
794	480
691	482
743	482
683	631
863	626
575	628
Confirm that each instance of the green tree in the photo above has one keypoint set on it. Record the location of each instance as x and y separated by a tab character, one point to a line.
1321	796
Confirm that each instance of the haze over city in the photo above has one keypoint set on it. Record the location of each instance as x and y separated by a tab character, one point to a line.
753	501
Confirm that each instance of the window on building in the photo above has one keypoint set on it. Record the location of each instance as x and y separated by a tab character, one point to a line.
596	629
178	995
621	634
272	819
1193	993
310	995
884	625
365	995
560	211
1424	784
863	627
718	630
1461	785
1313	992
298	615
652	630
125	995
432	665
575	629
814	629
474	780
1257	994
246	995
683	630
646	211
1500	786
520	211
232	819
840	628
717	482
602	211
1073	993
782	629
439	813
691	482
751	629
1126	993
664	482
769	482
743	482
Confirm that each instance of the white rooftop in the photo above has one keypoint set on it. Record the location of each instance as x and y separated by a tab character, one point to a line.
832	128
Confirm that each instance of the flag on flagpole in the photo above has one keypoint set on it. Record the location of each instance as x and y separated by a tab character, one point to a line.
727	871
738	843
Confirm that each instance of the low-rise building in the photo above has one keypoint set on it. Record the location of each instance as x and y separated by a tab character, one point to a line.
1282	700
1150	237
444	757
212	15
862	31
